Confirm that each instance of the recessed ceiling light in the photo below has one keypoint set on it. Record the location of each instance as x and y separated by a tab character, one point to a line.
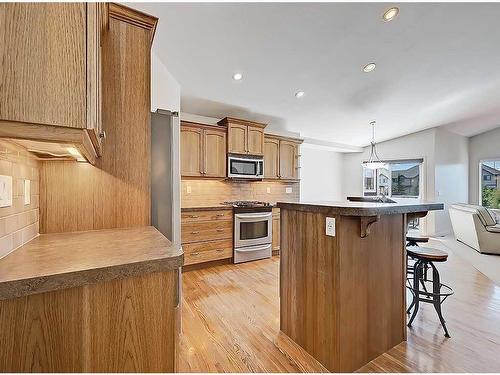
390	14
369	67
237	76
299	94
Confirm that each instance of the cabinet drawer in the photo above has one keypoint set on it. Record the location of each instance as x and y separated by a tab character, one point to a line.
206	231
194	216
207	251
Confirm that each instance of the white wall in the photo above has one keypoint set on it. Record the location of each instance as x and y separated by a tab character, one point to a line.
481	147
321	174
451	175
165	90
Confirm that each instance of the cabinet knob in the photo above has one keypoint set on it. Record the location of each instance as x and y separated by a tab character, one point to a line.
195	232
194	216
195	254
102	135
219	215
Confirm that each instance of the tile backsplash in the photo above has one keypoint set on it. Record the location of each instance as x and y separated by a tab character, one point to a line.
18	222
200	193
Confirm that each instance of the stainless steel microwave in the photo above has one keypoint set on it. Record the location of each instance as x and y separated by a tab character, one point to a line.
251	167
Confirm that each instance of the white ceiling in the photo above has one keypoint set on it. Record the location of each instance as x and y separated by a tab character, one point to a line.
437	65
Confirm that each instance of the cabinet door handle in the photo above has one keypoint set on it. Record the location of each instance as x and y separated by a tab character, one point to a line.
219	250
195	254
219	215
194	216
220	230
195	232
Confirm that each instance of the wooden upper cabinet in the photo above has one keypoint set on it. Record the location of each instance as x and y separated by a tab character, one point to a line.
255	140
288	160
281	157
50	61
271	157
237	139
203	150
244	137
215	153
191	151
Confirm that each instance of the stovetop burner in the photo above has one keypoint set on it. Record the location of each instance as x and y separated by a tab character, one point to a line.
248	204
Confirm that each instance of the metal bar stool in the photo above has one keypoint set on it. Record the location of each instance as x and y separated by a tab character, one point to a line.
410	266
426	256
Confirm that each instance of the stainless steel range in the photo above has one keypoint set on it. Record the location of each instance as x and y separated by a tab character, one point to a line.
253	230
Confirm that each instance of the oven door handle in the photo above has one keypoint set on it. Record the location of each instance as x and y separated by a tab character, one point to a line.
254	248
254	216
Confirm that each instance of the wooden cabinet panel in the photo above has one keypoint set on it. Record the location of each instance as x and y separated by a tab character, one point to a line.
196	216
288	158
214	151
276	230
255	140
207	251
42	57
206	231
271	157
191	151
237	139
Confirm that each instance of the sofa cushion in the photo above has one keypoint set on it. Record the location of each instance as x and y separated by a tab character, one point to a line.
495	213
493	228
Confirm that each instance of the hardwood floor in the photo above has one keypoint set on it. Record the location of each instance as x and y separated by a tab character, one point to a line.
231	324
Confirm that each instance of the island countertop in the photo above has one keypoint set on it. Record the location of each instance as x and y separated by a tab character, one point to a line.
65	260
347	208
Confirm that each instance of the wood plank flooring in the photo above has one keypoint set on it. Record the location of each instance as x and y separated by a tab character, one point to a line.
231	324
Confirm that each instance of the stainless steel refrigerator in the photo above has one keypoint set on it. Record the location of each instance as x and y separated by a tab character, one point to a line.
165	173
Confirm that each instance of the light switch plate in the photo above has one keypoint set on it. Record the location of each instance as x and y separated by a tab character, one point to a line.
268	190
288	190
330	226
27	192
5	191
188	189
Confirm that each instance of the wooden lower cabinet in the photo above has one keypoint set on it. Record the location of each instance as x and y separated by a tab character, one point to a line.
206	235
126	325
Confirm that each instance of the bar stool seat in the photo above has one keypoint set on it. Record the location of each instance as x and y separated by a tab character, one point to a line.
415	240
436	293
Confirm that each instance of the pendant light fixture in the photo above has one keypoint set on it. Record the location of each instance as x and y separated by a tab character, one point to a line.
374	161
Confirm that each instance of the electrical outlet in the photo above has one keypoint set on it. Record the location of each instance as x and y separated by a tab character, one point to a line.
330	226
268	190
27	192
5	191
188	189
288	190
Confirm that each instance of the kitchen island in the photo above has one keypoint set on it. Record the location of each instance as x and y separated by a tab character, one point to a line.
342	294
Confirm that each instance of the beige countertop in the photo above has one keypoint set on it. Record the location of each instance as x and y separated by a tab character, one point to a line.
65	260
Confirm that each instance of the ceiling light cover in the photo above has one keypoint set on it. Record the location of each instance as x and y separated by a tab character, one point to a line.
373	161
369	67
390	14
299	94
237	76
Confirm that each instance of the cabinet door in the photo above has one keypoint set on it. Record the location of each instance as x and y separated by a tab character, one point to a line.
191	151
237	138
255	141
288	156
214	153
271	158
43	63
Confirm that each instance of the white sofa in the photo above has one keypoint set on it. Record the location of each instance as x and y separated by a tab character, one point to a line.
477	227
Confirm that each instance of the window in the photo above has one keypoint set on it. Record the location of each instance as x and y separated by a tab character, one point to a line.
490	183
400	179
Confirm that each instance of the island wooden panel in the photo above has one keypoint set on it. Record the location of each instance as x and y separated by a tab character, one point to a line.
342	297
118	326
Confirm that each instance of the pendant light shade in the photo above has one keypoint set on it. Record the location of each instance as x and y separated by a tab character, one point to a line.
374	161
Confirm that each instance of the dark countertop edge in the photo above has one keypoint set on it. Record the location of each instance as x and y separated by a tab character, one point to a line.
362	211
66	280
206	208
